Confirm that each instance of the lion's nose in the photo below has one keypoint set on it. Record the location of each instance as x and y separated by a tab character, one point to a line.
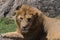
24	27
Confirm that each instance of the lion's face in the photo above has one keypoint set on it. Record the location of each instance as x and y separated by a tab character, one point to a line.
25	19
26	16
25	22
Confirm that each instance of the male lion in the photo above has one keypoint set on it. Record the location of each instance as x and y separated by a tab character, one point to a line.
32	24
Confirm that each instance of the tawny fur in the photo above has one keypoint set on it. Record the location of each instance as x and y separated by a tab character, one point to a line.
51	25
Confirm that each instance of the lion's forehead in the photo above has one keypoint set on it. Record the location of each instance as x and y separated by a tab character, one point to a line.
26	16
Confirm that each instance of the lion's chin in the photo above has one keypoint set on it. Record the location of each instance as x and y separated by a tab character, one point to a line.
24	31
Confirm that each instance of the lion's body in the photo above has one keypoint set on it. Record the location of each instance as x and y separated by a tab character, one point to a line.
52	26
32	23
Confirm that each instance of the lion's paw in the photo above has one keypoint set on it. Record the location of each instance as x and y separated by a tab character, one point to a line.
12	35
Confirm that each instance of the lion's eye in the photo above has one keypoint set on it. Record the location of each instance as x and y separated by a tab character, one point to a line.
29	19
21	18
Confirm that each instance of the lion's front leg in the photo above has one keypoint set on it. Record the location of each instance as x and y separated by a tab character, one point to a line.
12	35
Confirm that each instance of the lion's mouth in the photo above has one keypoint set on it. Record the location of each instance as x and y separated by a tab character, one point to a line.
25	29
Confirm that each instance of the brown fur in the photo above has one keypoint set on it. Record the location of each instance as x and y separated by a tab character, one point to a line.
39	24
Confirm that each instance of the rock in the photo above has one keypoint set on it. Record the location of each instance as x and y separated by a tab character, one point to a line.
44	5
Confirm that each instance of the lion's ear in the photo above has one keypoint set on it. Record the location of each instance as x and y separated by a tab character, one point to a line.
18	7
38	14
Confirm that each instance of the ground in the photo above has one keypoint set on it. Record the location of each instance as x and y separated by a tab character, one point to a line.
6	23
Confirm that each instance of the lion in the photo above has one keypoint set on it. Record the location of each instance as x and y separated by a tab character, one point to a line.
34	25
